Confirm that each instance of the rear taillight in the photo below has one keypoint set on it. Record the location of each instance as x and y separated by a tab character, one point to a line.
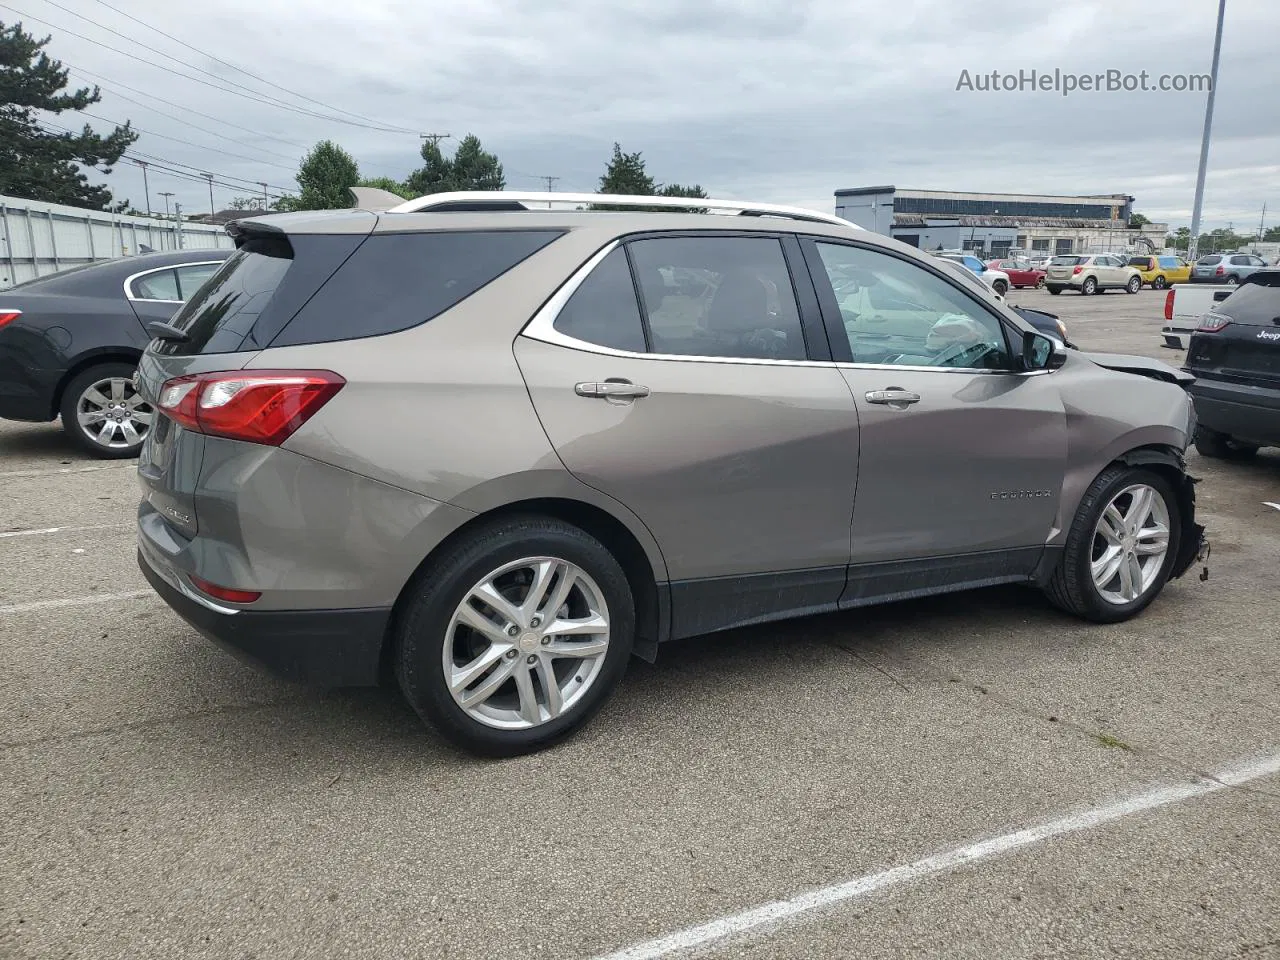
257	406
1168	305
8	316
1076	270
1212	323
1220	272
225	593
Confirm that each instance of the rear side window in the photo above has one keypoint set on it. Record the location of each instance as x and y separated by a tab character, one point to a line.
1168	262
397	281
604	309
232	298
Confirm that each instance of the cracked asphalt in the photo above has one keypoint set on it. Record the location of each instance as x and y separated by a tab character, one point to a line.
160	799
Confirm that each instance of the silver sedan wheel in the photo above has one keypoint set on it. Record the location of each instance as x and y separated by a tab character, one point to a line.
1130	543
112	414
526	643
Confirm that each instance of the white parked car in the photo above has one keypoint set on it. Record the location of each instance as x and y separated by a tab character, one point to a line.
997	280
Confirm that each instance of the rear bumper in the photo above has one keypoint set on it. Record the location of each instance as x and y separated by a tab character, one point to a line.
323	648
1238	410
1210	279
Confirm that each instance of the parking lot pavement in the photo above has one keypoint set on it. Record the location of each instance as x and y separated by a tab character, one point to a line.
161	799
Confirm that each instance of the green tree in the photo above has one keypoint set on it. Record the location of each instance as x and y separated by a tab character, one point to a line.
246	203
41	164
325	179
625	174
1272	235
1180	239
677	190
389	185
470	168
1137	220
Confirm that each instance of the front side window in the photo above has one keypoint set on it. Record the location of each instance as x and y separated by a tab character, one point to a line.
604	310
895	312
725	297
160	285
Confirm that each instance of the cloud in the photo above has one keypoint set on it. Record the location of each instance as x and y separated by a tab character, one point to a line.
779	100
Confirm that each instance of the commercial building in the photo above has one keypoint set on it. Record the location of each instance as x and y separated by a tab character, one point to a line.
998	224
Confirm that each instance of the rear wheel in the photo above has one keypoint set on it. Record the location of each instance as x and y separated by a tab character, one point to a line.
1220	446
515	636
1054	291
1231	280
1120	546
104	414
1089	287
1159	283
1000	287
1134	285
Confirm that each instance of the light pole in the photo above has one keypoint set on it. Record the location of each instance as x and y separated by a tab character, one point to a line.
1204	142
146	188
265	205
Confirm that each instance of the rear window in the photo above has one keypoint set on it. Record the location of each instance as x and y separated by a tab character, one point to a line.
1067	261
1210	260
1254	303
1142	262
397	281
232	299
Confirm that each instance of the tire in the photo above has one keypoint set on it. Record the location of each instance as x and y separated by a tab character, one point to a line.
1054	291
427	632
1000	287
1134	285
1039	282
1220	446
1089	287
1231	280
1159	283
104	395
1073	588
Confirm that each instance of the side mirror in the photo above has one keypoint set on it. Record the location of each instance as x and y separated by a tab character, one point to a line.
1040	352
982	268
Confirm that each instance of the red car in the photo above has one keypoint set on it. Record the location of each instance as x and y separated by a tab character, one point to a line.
1021	272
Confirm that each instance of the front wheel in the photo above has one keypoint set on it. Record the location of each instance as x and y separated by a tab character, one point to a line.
1134	285
104	414
1000	287
1120	546
515	636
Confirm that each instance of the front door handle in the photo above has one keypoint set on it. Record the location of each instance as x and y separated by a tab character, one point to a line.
611	390
893	396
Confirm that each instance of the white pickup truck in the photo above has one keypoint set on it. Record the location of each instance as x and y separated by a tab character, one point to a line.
1185	304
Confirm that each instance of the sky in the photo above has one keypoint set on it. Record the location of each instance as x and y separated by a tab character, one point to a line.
780	101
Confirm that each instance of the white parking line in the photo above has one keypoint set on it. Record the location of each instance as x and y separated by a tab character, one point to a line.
1270	504
41	530
782	910
74	601
53	473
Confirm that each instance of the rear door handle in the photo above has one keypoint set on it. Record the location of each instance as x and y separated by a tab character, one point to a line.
611	390
893	395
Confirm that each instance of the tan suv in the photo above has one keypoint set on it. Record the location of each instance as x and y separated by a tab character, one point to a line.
1091	274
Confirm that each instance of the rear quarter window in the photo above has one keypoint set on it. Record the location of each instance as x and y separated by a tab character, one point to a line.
395	281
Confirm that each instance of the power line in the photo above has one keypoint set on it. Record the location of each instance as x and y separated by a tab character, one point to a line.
199	146
193	126
271	102
270	83
181	106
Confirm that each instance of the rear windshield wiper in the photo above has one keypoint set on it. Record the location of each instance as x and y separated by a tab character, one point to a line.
165	331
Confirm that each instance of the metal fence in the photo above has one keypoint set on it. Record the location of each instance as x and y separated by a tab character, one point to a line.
43	238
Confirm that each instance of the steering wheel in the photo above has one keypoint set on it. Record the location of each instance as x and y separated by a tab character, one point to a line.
968	356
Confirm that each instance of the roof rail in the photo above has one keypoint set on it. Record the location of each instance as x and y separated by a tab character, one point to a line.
481	200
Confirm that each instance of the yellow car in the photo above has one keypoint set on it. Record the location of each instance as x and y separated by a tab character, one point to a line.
1161	272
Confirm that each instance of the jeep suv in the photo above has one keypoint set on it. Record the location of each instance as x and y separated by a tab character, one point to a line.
492	451
1235	356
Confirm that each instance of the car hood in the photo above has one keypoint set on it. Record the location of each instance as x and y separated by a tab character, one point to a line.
1142	366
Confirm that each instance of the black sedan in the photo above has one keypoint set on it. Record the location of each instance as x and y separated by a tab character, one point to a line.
69	343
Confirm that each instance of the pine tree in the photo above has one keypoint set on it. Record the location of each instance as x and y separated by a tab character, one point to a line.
41	164
325	178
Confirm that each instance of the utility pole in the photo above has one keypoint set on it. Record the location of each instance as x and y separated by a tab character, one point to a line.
1208	126
166	194
209	177
265	205
551	186
435	138
146	188
1262	223
177	212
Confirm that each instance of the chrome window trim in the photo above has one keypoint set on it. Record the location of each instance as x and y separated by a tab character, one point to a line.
542	327
128	281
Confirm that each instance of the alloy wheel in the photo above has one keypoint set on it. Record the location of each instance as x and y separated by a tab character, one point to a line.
526	643
1130	543
113	414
